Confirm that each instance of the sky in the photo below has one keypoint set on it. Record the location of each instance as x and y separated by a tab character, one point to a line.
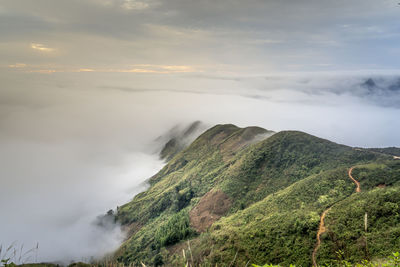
87	86
189	36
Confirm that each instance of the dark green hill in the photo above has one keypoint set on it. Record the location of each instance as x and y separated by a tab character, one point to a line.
250	195
393	151
283	159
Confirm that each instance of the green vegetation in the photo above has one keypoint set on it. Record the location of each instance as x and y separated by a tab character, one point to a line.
278	187
394	151
347	221
176	229
378	174
391	261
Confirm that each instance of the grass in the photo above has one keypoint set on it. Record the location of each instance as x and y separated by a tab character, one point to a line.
17	254
279	186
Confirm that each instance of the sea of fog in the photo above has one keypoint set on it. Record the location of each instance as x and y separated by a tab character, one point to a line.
75	145
52	195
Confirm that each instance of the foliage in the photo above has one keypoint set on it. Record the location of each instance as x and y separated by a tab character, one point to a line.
7	263
347	230
279	187
391	261
385	173
177	228
394	151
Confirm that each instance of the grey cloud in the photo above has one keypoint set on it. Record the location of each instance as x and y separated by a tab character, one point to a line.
17	26
182	91
254	15
251	31
379	90
75	144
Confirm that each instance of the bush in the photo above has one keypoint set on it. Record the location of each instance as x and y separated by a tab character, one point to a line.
177	228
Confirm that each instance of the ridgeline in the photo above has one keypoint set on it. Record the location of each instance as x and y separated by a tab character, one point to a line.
239	196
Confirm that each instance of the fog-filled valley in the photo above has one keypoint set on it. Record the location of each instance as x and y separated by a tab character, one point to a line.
70	151
142	132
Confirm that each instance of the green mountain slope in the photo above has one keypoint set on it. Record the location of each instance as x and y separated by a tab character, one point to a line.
252	196
394	151
178	139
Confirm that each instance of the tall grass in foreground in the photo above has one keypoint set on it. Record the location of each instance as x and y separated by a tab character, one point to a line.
14	254
391	261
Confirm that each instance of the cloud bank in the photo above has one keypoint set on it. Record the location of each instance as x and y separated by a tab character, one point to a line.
86	87
75	145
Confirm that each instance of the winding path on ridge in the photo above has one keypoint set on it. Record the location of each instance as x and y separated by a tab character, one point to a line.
322	228
358	188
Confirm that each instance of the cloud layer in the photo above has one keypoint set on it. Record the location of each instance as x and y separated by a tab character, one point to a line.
86	86
77	144
237	36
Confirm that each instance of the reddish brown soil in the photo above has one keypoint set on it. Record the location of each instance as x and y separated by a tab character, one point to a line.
358	188
211	208
321	230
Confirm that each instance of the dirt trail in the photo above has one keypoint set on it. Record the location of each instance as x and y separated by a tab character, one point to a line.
358	188
322	228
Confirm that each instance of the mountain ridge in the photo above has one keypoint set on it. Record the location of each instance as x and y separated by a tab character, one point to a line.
229	165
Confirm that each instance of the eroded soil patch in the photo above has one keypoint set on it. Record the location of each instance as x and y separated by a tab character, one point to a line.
211	208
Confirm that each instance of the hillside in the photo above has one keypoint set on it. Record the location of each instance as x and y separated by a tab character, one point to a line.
178	138
248	195
393	151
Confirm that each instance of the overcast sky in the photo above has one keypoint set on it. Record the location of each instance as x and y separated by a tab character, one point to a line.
87	85
246	37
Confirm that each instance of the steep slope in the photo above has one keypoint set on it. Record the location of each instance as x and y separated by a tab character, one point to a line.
191	172
176	188
240	191
366	225
279	229
281	160
179	138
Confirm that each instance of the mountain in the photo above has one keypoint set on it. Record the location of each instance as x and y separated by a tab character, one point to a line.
238	196
178	138
369	84
394	151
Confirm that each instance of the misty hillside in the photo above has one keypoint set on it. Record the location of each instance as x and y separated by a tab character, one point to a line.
178	138
102	163
249	195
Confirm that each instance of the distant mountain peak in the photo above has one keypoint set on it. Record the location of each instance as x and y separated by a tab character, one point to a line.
369	83
179	137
